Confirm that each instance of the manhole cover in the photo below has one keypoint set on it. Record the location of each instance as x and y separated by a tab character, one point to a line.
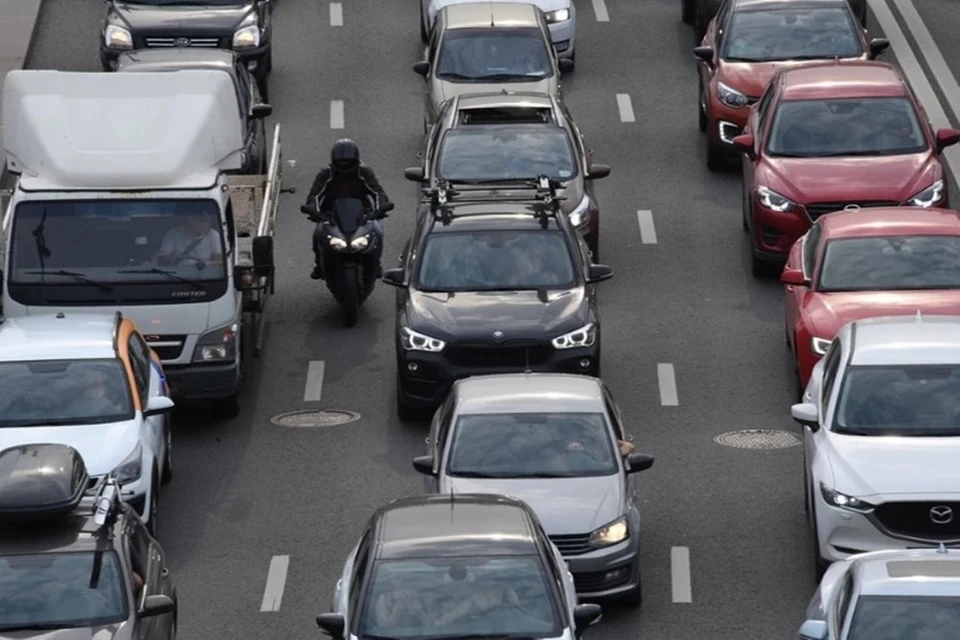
758	439
314	418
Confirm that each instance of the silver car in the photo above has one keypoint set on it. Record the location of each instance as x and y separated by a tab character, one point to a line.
551	440
888	595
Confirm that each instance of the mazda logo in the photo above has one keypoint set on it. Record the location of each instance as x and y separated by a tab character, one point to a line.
182	42
941	515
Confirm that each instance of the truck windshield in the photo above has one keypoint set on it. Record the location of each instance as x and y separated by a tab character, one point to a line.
116	241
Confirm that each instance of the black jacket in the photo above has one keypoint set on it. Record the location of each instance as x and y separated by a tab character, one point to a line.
365	185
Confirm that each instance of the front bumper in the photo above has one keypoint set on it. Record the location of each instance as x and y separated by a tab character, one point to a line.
202	381
774	233
607	572
564	35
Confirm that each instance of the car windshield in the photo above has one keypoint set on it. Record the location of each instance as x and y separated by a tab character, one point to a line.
507	260
846	127
488	154
908	400
900	617
897	263
791	34
459	596
53	591
493	55
532	445
63	392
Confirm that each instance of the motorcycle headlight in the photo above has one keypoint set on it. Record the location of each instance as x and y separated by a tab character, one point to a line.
117	37
929	196
844	501
820	345
560	15
360	243
247	37
580	216
337	244
772	200
730	96
414	341
219	345
131	468
613	533
585	336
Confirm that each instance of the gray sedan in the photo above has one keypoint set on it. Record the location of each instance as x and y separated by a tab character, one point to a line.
555	441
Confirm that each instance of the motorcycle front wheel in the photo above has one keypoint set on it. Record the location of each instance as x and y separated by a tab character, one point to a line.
349	296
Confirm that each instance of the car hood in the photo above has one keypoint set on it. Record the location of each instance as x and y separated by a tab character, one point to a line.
182	20
806	180
102	446
451	89
111	632
866	466
564	505
519	314
825	313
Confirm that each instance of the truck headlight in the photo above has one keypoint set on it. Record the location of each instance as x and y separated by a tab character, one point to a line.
585	336
580	216
117	37
613	533
219	345
247	37
415	341
131	468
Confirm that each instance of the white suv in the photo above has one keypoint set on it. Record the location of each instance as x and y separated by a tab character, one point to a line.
881	432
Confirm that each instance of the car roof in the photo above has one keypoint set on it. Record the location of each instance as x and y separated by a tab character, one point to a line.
491	217
833	80
529	393
175	58
58	337
491	15
906	340
910	574
760	5
441	525
890	221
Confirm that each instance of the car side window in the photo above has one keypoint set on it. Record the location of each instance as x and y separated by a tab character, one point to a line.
843	605
831	364
243	91
577	136
614	413
810	243
723	13
139	546
140	362
434	43
763	108
359	570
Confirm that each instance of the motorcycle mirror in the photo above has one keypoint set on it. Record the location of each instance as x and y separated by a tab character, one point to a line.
387	207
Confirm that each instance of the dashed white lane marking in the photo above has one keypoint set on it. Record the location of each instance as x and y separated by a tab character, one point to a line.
680	574
276	580
336	14
336	114
600	8
668	385
648	233
625	106
313	390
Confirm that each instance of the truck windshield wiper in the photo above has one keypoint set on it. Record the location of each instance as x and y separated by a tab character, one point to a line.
169	274
103	286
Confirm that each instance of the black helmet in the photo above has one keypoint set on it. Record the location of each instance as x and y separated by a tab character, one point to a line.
345	156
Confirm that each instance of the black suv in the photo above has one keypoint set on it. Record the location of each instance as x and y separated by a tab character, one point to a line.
492	282
243	26
74	556
501	138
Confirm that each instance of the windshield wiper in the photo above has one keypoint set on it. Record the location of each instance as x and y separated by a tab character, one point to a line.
42	626
475	474
482	636
103	286
453	76
736	59
169	274
851	154
504	77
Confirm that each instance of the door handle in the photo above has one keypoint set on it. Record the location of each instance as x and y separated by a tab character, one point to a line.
164	572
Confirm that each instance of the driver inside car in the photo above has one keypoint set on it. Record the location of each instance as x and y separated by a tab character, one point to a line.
193	241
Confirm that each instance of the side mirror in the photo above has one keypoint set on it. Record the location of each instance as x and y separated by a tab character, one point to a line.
422	68
332	624
599	273
638	462
393	277
424	465
744	144
806	414
813	630
947	138
597	171
263	254
704	54
586	615
565	65
157	605
794	277
413	174
261	111
878	46
158	405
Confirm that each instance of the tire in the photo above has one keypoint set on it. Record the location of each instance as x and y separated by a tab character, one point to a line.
151	509
745	207
167	474
227	408
701	107
268	62
716	159
758	268
349	296
263	84
686	11
405	411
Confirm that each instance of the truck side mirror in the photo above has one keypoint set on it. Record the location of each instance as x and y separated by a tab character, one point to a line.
263	254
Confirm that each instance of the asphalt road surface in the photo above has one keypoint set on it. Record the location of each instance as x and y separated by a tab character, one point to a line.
693	345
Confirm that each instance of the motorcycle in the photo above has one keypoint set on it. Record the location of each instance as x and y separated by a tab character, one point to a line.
349	250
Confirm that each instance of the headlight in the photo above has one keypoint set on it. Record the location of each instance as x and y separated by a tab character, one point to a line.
360	243
929	196
117	37
772	200
843	501
820	345
580	216
730	96
247	37
219	345
413	341
616	531
585	336
339	244
560	15
132	466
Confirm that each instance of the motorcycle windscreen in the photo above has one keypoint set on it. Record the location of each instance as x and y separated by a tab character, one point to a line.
349	215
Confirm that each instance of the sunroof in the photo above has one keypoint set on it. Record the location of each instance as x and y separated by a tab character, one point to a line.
506	115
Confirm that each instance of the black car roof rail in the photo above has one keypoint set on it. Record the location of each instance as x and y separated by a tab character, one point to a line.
542	196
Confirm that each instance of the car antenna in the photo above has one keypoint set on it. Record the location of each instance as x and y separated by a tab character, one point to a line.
941	548
491	14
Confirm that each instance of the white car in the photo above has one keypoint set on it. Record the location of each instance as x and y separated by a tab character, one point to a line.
89	381
881	432
561	16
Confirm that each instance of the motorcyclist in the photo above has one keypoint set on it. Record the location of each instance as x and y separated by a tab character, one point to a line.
345	177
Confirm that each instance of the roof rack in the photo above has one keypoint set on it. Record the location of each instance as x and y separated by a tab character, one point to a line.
540	193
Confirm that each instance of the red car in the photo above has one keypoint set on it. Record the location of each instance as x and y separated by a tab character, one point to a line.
750	40
827	136
853	265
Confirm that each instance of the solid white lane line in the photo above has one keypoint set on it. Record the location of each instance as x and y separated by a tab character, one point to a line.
929	50
336	114
336	14
600	8
648	233
276	580
680	574
313	390
625	106
668	385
